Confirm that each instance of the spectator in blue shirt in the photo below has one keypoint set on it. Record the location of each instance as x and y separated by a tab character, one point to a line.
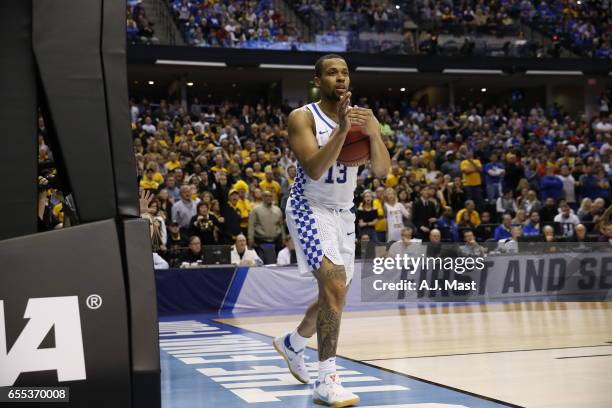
593	186
447	226
532	228
551	185
494	174
503	231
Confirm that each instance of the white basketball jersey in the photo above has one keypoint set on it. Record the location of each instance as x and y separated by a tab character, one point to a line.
335	188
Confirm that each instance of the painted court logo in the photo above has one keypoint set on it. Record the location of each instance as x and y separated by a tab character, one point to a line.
67	357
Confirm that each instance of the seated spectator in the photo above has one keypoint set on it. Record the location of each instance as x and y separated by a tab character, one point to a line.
503	231
506	204
472	214
405	245
548	236
580	234
533	227
243	256
287	255
520	218
606	234
530	202
485	230
549	211
193	254
566	220
510	245
434	243
585	208
175	243
471	247
447	226
159	262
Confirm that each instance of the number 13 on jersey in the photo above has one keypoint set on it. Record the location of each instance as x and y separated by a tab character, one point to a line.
340	172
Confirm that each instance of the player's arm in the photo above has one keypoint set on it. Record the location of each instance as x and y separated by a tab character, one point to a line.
303	141
379	154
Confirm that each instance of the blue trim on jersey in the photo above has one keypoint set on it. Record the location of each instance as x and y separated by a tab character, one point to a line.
308	233
314	105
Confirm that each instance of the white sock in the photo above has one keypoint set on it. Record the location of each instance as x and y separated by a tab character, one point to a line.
327	367
297	342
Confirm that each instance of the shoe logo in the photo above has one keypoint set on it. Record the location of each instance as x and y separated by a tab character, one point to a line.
322	132
350	233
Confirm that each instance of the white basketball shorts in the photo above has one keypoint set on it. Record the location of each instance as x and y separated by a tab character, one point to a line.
319	231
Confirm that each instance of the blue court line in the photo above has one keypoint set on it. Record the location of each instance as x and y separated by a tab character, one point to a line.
260	377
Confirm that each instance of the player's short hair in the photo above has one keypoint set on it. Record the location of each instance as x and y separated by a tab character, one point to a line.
319	63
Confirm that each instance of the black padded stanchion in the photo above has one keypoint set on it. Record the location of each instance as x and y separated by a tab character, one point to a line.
17	120
66	293
66	41
143	313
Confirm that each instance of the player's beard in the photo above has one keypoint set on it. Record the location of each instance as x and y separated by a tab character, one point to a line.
332	96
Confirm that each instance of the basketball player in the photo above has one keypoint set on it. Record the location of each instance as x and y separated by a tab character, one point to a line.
321	219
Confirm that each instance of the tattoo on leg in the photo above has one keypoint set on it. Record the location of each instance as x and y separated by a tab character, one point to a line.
328	328
336	272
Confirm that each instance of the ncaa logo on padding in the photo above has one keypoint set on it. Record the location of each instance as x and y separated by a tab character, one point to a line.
67	357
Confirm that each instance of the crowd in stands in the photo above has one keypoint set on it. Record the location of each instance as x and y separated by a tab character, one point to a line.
584	26
231	23
222	173
139	29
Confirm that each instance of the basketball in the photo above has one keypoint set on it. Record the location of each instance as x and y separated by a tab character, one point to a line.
356	148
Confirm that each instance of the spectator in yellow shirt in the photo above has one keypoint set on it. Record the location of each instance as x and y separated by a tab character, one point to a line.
219	164
147	182
470	208
257	171
173	162
243	205
157	176
472	181
393	178
271	185
381	225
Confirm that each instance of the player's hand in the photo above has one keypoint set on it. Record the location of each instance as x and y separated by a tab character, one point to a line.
371	126
343	110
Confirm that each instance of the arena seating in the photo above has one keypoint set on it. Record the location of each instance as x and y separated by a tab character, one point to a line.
440	27
195	146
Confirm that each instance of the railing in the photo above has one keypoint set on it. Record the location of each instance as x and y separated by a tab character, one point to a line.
166	24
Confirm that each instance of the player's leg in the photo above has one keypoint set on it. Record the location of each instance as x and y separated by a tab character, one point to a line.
332	283
308	325
292	345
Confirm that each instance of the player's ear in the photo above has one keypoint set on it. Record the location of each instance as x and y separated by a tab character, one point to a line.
317	81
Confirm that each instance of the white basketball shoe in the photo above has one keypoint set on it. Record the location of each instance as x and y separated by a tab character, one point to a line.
294	358
331	392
